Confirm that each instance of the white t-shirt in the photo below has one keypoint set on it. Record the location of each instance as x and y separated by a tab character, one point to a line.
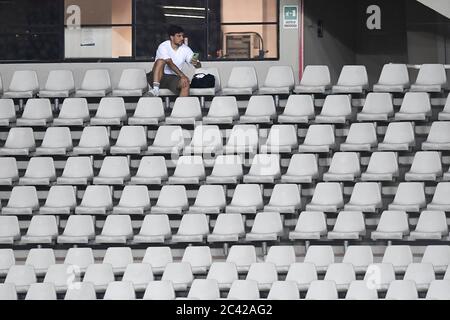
179	57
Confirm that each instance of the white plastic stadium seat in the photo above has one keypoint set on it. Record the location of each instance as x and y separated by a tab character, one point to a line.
244	290
298	109
94	140
131	140
8	292
440	200
22	276
265	168
139	274
60	84
9	232
117	229
160	290
400	256
421	273
416	106
268	226
168	140
7	112
353	79
359	256
210	199
74	112
392	225
303	168
431	225
204	289
336	109
189	170
96	83
431	78
281	139
344	167
285	198
377	107
302	273
149	111
282	257
227	170
379	275
152	170
410	197
171	200
119	258
439	137
362	137
57	141
96	200
426	166
205	140
114	171
120	290
322	290
199	258
444	115
42	230
158	258
133	201
359	290
41	291
342	274
40	171
20	142
439	290
402	290
111	111
22	201
366	197
243	138
78	170
132	83
81	258
438	256
348	225
242	81
320	256
247	198
79	229
60	200
229	227
319	139
383	166
260	109
223	110
186	110
100	275
155	229
310	225
393	78
180	273
9	172
327	197
193	228
24	84
264	273
37	113
279	80
242	256
41	259
224	273
315	79
399	137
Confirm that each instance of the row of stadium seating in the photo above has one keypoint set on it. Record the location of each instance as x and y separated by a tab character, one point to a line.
337	109
279	272
208	139
243	81
194	228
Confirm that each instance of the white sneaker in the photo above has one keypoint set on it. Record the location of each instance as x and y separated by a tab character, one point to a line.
154	92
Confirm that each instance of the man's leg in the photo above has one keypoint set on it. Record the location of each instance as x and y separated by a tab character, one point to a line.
158	69
184	89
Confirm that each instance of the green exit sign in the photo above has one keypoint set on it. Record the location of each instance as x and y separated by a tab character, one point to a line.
290	16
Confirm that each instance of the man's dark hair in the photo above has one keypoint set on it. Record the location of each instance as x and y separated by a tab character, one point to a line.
173	30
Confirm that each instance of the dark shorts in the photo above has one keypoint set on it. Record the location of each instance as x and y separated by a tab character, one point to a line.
168	81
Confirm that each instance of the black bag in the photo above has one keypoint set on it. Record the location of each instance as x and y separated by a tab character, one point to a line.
201	80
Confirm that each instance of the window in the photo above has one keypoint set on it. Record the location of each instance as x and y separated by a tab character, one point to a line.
243	29
98	29
30	30
131	30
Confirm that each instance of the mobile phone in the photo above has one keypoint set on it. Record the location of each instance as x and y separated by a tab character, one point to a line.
196	56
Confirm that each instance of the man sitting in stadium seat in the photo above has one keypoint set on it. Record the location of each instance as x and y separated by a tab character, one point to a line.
170	57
